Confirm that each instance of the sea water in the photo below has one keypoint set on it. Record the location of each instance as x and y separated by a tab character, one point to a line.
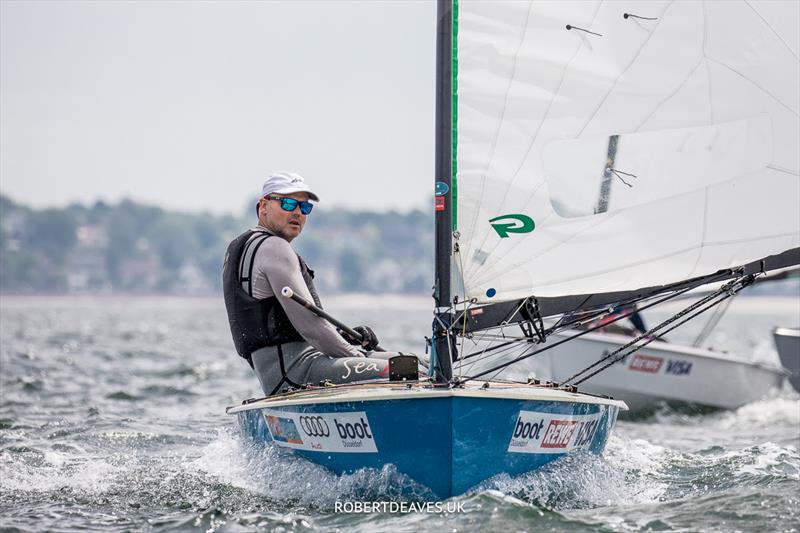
112	418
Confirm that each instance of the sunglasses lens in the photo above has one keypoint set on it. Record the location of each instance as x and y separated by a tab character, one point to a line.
290	204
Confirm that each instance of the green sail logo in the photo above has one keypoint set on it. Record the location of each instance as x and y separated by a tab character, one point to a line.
514	223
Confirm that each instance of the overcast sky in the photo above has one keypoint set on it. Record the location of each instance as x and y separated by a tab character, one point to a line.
191	104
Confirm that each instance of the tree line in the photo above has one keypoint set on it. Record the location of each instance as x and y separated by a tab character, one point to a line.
133	247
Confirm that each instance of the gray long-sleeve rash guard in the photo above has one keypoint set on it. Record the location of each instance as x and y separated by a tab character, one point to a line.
276	266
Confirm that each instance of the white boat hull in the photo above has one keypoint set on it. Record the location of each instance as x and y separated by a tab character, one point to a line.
660	372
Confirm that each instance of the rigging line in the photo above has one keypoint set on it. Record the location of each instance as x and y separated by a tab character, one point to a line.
705	231
624	351
491	348
553	98
525	353
574	309
773	29
494	376
484	335
618	356
624	71
784	170
508	348
499	354
525	356
720	63
750	239
582	333
712	279
466	308
708	306
712	323
472	364
649	334
506	322
636	344
589	317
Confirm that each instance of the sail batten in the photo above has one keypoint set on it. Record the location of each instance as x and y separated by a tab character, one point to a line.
599	154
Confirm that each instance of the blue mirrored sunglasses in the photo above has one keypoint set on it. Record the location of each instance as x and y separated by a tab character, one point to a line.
290	204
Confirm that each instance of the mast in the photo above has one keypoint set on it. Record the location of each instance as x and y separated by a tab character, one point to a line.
441	362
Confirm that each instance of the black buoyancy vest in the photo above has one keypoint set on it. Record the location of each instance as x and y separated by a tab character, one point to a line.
255	323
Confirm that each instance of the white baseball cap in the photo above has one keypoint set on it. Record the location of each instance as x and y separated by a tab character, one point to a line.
286	183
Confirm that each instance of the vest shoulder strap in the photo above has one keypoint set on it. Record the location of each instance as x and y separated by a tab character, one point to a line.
248	259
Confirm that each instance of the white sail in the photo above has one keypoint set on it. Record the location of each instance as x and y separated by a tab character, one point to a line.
626	151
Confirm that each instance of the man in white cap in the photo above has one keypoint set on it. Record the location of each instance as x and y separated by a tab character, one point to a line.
285	343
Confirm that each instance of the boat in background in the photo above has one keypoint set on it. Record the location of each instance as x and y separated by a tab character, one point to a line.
662	372
787	342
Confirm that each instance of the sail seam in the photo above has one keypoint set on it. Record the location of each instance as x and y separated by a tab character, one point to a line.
510	83
526	260
625	71
708	67
539	221
664	256
669	96
778	100
493	148
772	29
533	140
705	230
784	170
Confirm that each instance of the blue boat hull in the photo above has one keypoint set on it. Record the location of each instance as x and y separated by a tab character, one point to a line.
449	443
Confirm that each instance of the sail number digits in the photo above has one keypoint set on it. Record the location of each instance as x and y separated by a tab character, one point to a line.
514	223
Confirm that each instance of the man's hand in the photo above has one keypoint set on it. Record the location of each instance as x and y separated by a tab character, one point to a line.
369	339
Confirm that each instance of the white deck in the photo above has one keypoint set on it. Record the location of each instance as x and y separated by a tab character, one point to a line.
369	392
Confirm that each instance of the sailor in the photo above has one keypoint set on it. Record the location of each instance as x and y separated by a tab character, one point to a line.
285	343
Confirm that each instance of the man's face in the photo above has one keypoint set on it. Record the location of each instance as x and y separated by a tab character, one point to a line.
282	223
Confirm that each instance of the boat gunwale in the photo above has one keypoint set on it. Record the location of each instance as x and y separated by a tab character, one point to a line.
369	392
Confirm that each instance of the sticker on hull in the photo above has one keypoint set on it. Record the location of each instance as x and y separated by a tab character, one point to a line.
646	363
552	433
321	432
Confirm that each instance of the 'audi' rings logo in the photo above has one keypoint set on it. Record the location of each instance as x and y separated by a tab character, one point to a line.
315	426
